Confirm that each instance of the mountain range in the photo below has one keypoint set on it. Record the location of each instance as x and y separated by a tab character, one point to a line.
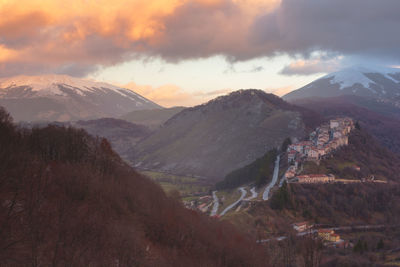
65	98
69	199
215	138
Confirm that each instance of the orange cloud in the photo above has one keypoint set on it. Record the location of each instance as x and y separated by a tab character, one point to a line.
7	54
57	33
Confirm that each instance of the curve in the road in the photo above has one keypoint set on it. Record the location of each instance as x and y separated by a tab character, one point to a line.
244	192
274	179
254	194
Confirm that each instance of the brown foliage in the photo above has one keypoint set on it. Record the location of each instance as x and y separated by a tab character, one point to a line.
339	204
66	199
373	158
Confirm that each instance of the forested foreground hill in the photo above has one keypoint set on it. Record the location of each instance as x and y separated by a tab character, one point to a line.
66	199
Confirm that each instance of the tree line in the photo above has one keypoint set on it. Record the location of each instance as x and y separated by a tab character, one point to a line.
258	172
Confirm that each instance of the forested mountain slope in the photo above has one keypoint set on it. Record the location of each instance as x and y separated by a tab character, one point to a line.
68	200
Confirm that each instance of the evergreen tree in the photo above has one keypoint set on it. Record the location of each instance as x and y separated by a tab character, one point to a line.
281	199
285	144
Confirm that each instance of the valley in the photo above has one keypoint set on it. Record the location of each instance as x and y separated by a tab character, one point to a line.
263	165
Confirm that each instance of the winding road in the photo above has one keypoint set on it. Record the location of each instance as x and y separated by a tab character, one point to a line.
274	179
283	179
244	192
254	194
216	204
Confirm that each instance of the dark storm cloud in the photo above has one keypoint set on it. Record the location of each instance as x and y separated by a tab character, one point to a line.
358	27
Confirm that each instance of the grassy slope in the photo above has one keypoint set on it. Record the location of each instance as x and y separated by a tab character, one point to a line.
213	139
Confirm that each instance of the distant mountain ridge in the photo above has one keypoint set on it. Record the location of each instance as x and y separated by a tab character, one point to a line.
226	133
359	81
65	98
122	135
152	118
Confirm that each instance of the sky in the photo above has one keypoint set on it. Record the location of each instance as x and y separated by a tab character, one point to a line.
185	52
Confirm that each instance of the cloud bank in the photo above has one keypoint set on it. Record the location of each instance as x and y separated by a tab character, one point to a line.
76	37
315	64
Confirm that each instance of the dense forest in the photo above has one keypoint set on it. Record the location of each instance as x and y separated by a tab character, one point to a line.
333	205
258	172
66	199
339	204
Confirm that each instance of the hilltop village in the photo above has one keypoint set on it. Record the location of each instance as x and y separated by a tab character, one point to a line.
322	142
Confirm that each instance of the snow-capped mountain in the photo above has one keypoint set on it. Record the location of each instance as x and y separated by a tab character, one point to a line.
382	83
65	98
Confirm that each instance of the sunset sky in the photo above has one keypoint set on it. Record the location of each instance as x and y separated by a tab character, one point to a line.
181	52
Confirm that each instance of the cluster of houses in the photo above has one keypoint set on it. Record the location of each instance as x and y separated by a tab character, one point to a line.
326	235
203	204
324	140
314	178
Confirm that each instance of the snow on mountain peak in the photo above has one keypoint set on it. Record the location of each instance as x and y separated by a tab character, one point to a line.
49	84
356	75
64	98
